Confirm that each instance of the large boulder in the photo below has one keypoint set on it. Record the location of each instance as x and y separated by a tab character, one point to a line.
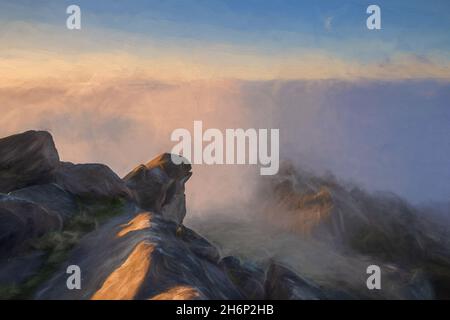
159	186
26	159
51	197
22	220
90	181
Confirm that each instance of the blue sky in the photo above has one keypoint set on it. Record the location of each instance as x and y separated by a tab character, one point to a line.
416	27
245	39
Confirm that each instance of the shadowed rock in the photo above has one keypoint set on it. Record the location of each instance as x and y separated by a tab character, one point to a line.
51	197
90	181
284	284
248	278
200	246
26	159
21	220
18	269
159	186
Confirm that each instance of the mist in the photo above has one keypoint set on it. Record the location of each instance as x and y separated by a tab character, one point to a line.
375	135
379	135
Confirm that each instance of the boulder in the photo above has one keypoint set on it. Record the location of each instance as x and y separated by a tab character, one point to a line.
159	186
90	181
26	159
51	197
22	220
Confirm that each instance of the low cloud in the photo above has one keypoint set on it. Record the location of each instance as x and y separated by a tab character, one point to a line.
375	133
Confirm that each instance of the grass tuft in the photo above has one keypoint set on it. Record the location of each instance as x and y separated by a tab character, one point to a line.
58	244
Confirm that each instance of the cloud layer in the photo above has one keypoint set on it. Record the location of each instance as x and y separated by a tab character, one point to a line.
383	135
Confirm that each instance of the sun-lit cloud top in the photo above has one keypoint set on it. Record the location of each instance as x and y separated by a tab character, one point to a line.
195	39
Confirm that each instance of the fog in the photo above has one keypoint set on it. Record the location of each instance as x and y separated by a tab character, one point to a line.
380	135
389	136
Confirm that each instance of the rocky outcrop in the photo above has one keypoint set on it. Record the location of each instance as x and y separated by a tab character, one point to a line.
323	208
46	222
90	181
159	186
31	158
139	256
128	238
26	159
380	225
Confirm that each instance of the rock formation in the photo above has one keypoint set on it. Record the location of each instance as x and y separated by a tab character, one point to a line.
121	233
159	186
124	234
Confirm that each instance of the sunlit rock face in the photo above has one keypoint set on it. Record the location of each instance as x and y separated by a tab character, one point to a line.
52	219
179	293
26	159
159	186
139	256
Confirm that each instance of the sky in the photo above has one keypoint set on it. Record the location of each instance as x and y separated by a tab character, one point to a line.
193	39
372	106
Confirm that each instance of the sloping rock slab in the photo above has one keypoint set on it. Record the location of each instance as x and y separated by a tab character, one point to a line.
139	256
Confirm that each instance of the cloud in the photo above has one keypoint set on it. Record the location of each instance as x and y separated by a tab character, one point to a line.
27	54
85	68
377	133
